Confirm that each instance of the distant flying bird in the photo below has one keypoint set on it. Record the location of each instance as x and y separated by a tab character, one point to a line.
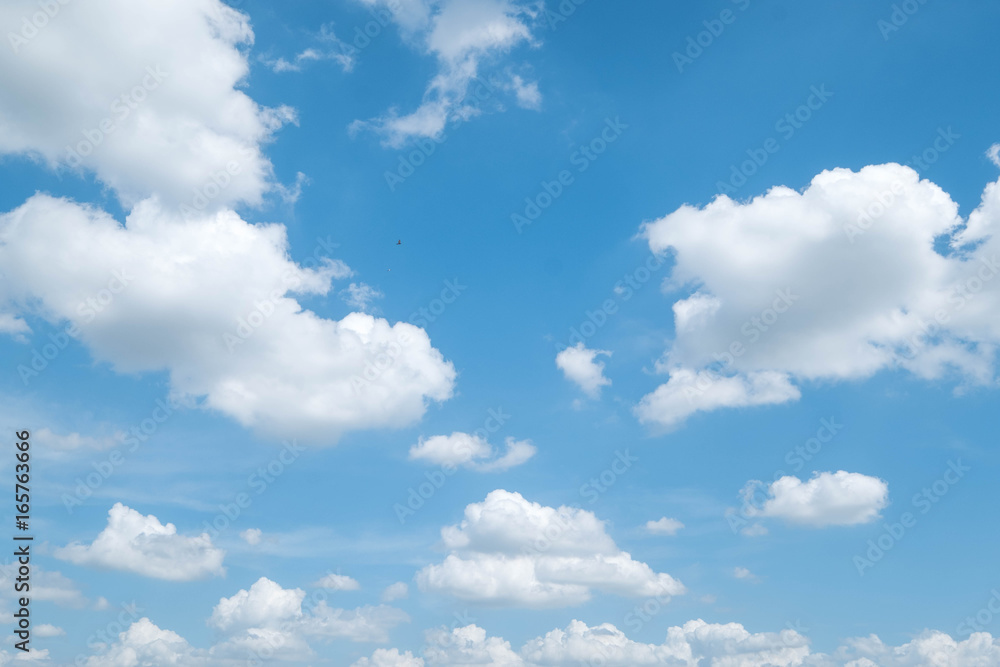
399	242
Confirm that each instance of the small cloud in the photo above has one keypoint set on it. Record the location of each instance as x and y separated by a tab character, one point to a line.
743	573
101	604
334	49
993	153
664	526
578	364
48	630
251	536
360	295
338	582
707	599
291	193
396	591
471	451
755	530
528	96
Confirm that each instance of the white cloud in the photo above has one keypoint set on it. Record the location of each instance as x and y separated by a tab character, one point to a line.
70	442
994	154
578	365
743	573
128	85
528	96
509	551
360	295
664	526
210	300
469	645
46	585
688	392
48	630
693	644
462	35
268	608
836	282
389	658
251	536
396	591
338	582
471	451
828	499
132	542
143	643
930	649
266	604
333	48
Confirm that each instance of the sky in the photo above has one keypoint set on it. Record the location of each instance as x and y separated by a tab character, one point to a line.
402	333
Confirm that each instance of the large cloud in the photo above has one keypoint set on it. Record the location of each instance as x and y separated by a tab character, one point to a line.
141	544
510	551
836	282
461	35
210	300
828	499
142	94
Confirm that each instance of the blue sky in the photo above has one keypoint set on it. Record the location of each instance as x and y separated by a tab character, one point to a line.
492	416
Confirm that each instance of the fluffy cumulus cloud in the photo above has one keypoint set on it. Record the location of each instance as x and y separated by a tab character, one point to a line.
828	499
151	117
463	36
471	451
512	552
580	366
213	301
267	608
687	392
389	658
836	282
266	623
338	582
133	542
694	644
272	625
